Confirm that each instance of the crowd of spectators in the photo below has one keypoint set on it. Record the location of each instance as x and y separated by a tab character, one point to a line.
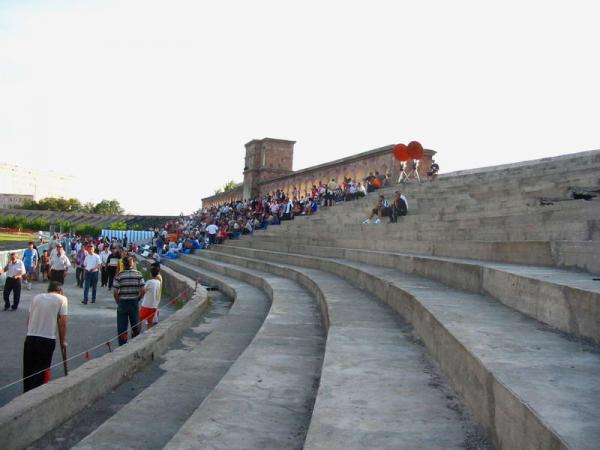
231	220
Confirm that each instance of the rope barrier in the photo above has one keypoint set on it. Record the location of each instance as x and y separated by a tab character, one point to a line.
87	353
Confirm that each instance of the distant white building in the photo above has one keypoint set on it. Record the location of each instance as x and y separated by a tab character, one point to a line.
13	200
18	181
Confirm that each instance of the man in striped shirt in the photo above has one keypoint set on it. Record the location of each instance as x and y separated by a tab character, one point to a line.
129	288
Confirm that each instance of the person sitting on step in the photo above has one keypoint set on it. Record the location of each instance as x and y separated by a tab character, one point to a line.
399	207
382	209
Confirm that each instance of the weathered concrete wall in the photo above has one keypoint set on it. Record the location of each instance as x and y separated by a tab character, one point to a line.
269	161
224	197
31	415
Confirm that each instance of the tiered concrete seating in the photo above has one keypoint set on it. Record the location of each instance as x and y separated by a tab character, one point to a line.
377	388
189	375
510	337
265	399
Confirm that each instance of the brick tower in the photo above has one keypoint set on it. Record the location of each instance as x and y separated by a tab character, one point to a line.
265	159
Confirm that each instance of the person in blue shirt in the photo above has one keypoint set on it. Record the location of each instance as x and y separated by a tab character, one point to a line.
30	259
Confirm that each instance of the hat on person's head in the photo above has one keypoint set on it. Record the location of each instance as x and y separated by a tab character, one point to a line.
58	245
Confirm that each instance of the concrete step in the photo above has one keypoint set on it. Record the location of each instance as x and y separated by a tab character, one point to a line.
573	255
190	373
528	386
378	388
536	227
574	209
568	301
436	219
265	400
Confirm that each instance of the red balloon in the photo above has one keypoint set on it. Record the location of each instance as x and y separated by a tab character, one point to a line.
415	150
401	152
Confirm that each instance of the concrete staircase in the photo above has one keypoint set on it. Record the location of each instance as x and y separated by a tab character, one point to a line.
474	322
493	270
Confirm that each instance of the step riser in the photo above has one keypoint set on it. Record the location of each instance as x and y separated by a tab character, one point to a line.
509	421
569	255
567	309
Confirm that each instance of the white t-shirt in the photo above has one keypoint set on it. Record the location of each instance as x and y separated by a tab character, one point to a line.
152	296
104	256
43	312
212	229
91	262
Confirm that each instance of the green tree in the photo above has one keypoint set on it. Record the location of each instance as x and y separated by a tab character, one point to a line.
120	226
229	186
88	207
108	207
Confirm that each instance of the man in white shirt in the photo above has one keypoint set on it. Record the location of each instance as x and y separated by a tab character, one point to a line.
47	312
59	264
212	232
15	269
92	265
104	254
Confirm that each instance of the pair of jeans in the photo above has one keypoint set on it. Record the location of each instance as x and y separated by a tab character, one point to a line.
37	357
128	313
91	279
112	273
104	276
79	275
12	285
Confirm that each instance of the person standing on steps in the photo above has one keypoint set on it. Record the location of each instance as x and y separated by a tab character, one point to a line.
92	265
129	288
15	269
47	312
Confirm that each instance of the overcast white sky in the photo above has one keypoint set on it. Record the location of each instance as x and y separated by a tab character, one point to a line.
153	101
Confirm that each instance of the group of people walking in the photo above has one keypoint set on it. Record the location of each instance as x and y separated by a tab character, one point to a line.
137	300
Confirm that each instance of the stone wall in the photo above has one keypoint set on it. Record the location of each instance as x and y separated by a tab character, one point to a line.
223	197
265	157
356	167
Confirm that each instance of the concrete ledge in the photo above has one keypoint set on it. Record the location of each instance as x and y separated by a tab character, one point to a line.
31	415
568	301
265	399
505	412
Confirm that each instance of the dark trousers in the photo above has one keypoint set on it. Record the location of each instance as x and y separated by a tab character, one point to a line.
12	285
91	279
79	275
128	313
104	277
37	357
57	275
398	211
112	273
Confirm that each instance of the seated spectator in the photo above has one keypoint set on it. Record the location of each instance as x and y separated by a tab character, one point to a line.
382	209
433	171
399	207
361	191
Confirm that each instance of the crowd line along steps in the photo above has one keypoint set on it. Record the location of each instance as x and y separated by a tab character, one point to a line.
266	398
568	301
151	419
528	386
378	388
